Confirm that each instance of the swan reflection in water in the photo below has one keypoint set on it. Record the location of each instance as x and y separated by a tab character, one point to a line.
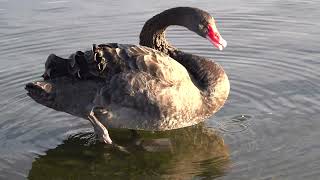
196	151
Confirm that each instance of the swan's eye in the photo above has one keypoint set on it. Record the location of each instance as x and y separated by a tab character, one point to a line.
203	30
201	26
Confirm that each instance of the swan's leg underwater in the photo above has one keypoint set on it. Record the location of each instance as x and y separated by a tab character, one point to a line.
99	129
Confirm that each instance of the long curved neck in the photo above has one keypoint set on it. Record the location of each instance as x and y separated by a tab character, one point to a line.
153	35
204	71
153	32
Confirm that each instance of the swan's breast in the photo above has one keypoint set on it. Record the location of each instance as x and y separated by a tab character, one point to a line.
177	92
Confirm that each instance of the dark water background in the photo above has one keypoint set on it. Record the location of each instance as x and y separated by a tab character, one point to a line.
268	129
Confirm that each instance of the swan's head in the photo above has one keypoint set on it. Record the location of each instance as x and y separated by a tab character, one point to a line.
194	19
207	28
202	23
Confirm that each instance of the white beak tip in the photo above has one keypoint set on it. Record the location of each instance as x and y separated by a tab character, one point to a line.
223	43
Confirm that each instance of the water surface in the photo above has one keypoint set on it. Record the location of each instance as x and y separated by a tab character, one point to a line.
268	129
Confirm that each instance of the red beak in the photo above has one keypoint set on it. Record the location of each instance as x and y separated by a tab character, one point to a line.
215	38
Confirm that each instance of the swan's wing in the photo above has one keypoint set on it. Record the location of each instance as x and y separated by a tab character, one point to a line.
129	99
138	100
118	58
124	58
144	88
158	64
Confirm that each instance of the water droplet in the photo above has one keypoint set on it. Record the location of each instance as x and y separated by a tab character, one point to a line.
241	118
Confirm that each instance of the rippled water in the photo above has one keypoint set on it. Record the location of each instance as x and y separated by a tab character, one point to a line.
268	129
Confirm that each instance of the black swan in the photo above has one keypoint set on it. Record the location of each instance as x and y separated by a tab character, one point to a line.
154	86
